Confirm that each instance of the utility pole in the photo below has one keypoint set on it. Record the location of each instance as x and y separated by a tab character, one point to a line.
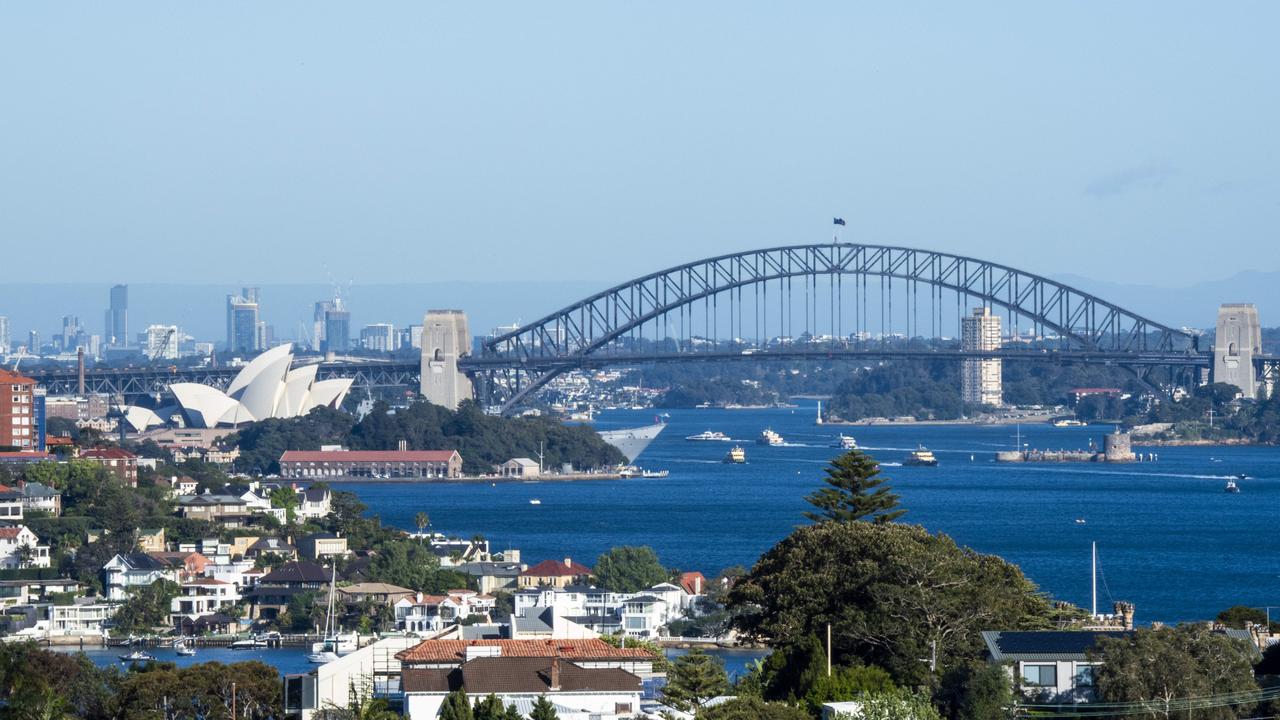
233	700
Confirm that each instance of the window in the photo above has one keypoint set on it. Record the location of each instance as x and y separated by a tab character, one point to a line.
1040	675
1084	676
622	708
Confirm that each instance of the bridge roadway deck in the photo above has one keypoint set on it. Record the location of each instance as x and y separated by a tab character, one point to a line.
152	380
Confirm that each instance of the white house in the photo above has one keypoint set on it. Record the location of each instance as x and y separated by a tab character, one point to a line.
432	613
19	547
314	502
42	498
129	570
639	615
202	596
1050	666
82	617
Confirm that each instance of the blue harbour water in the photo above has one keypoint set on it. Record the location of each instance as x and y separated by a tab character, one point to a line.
1169	538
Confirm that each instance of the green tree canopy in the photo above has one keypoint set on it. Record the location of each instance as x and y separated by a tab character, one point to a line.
147	607
976	690
1238	616
543	709
409	564
752	708
892	593
1162	666
629	569
855	492
456	707
692	680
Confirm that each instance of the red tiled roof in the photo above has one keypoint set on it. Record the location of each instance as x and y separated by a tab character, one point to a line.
108	453
367	455
693	583
555	568
9	533
12	377
206	581
456	650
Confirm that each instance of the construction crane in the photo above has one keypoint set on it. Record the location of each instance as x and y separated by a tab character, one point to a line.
22	352
158	350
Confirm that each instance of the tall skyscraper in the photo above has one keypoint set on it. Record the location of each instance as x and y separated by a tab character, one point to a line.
317	323
72	335
337	328
243	335
980	381
4	335
117	323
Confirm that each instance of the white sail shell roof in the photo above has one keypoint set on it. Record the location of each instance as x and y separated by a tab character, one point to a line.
265	388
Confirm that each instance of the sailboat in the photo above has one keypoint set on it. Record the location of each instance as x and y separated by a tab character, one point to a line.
327	650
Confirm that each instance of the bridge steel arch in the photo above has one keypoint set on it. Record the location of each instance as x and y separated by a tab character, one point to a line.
582	330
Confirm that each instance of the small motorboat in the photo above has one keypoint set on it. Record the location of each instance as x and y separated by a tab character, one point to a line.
137	656
921	457
736	456
1232	487
1081	521
248	644
845	442
1241	476
535	501
322	657
655	473
184	650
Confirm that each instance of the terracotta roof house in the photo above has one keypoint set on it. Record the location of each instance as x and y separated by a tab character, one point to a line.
553	573
122	463
582	678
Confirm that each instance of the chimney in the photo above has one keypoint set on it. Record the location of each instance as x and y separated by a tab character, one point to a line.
402	446
80	371
697	585
555	671
568	562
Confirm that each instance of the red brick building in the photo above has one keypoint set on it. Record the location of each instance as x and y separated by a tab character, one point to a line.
19	428
122	463
408	464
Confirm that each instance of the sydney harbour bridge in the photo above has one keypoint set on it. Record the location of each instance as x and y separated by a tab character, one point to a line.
818	301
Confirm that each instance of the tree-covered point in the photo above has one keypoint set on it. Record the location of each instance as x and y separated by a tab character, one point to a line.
629	569
484	441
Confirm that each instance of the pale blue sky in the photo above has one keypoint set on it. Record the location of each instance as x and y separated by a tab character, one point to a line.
291	141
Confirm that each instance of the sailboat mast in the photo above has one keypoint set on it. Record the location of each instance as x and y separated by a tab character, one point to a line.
1094	577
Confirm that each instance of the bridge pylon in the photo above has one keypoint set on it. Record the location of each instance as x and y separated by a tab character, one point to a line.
445	339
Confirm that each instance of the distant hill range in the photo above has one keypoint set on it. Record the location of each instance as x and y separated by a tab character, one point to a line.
1193	306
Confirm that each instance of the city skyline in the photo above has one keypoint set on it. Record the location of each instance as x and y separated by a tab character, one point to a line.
336	147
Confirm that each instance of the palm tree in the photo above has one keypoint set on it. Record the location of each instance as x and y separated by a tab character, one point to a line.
423	521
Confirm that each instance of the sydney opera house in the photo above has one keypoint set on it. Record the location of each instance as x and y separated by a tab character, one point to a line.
266	388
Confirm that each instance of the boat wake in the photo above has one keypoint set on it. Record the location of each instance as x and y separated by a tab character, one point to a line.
1118	473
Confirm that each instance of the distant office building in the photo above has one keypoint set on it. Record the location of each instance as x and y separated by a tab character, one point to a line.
72	335
117	323
4	335
243	334
162	342
379	337
415	337
317	323
33	342
337	328
21	422
980	382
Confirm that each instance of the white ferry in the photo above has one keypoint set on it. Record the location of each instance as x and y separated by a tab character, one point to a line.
736	456
769	437
709	436
921	457
845	442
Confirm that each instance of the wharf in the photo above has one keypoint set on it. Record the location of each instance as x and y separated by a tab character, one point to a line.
464	479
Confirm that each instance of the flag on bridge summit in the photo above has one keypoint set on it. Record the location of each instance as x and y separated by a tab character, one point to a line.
837	221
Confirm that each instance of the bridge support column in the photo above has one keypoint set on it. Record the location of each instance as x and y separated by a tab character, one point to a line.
1237	340
445	339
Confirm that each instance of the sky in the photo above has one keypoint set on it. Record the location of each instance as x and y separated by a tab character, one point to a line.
314	142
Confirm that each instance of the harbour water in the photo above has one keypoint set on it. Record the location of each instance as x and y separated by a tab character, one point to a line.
1169	538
